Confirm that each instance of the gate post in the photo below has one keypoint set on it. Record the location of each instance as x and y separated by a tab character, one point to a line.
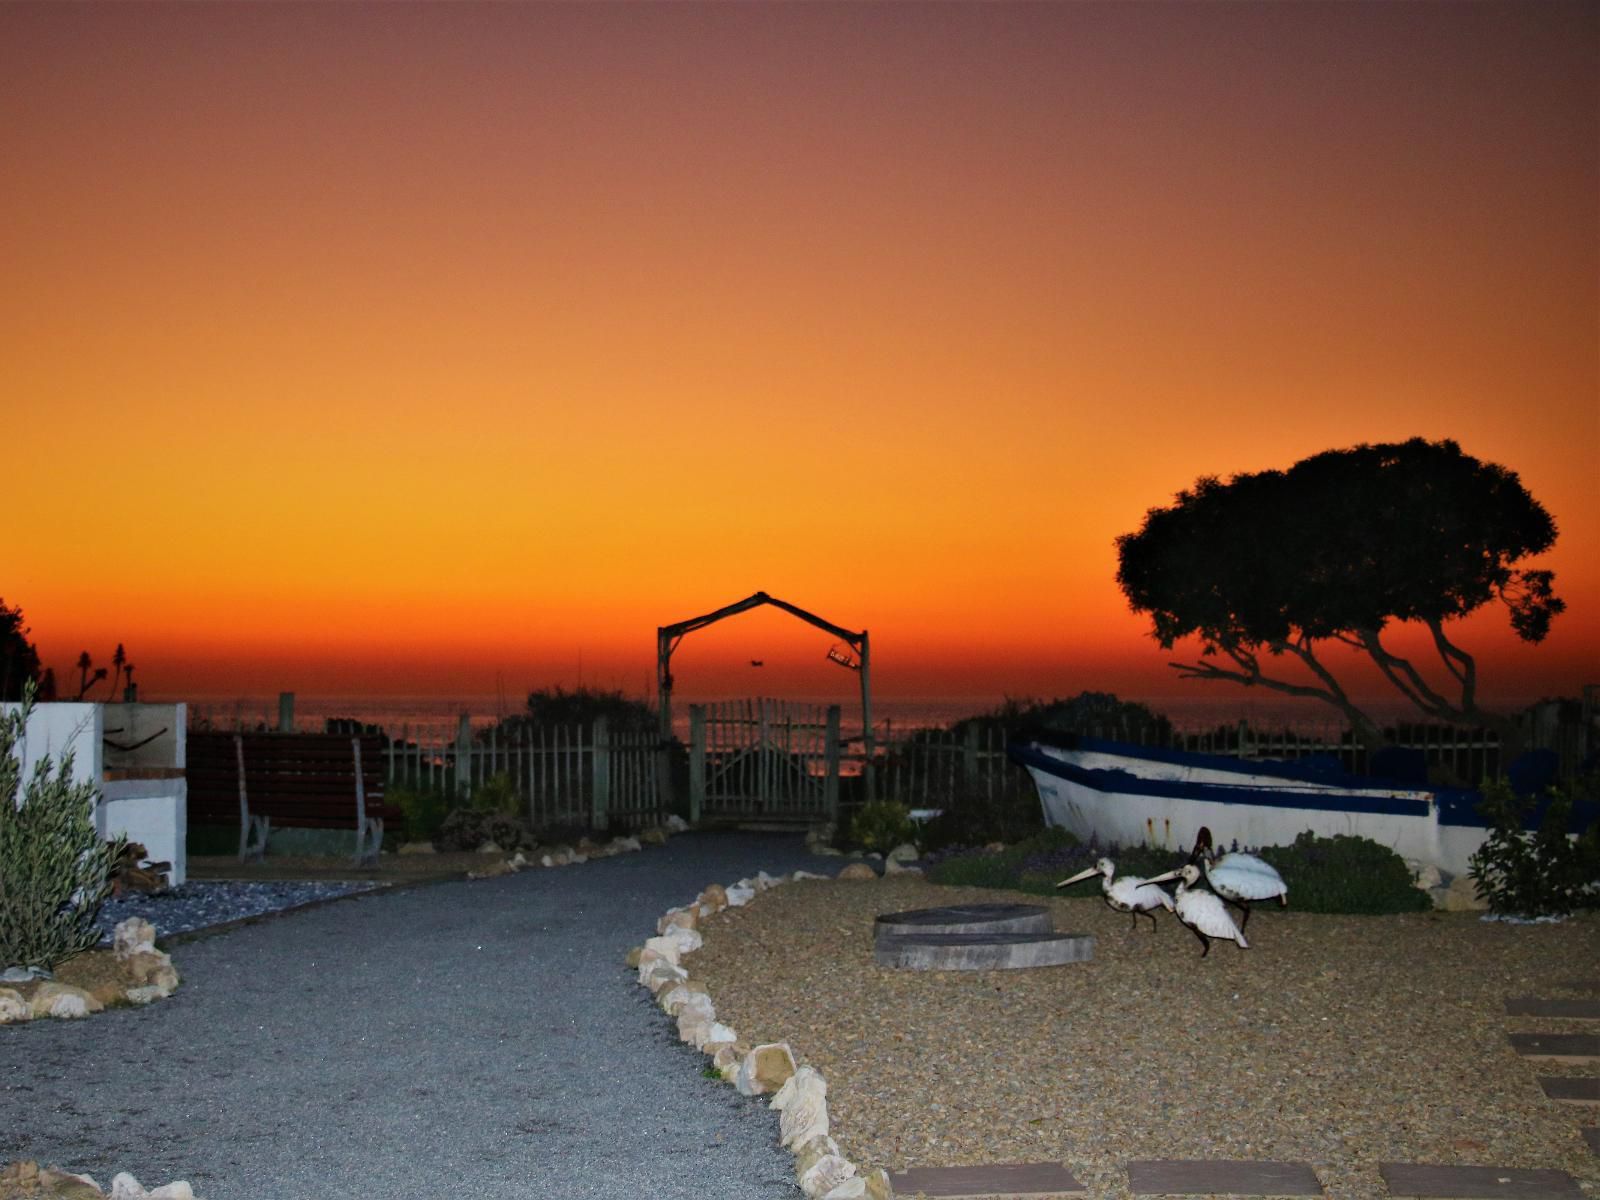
600	748
969	759
464	755
830	776
697	761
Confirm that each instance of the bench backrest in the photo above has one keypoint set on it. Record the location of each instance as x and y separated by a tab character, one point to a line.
305	780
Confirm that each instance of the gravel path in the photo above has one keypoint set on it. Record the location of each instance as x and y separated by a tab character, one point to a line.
475	1039
200	903
1339	1041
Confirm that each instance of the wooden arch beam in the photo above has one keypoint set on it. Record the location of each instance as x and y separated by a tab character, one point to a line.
668	637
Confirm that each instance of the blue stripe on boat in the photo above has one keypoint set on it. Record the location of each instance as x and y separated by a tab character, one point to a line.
1126	782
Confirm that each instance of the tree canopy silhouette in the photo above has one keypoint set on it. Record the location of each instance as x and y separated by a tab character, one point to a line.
1337	548
19	660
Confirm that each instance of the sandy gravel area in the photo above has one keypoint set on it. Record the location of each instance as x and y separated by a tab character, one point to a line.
1339	1041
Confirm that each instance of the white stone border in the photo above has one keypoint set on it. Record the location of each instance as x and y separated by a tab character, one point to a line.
800	1092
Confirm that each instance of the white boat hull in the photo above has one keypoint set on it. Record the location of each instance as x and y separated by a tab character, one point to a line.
1119	798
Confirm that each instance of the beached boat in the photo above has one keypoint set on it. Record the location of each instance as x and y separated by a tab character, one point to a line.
1145	795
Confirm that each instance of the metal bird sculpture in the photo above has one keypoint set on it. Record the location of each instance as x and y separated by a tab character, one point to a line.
1129	894
1240	879
1202	912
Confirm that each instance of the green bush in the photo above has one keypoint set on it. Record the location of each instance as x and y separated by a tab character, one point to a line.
467	829
54	869
423	810
1543	873
497	794
882	825
1345	874
1328	875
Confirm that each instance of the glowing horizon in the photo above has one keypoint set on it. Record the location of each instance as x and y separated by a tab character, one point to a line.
406	348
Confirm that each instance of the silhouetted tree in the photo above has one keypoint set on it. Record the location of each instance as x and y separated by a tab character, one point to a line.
85	679
19	660
1337	548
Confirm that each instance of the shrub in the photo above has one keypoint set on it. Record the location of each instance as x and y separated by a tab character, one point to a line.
424	809
882	825
54	869
497	794
1539	873
467	829
1345	874
1329	875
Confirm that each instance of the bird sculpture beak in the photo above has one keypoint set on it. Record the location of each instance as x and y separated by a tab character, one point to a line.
1079	877
1161	878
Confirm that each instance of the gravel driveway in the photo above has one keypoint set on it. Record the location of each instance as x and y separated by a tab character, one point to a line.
475	1039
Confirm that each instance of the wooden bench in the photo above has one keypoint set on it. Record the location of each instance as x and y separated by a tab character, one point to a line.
297	780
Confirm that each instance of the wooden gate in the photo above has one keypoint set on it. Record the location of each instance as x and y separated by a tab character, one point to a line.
764	762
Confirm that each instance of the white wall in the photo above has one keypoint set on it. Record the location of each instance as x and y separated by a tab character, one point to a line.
55	728
143	793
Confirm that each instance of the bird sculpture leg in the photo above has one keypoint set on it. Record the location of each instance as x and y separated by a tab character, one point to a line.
1204	941
1154	928
1244	910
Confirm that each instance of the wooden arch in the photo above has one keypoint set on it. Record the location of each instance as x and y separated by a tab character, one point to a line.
668	637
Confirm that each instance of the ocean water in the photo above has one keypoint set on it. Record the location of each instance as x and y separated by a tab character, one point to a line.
435	718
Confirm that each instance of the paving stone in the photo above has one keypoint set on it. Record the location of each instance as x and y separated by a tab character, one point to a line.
998	1179
1558	1047
1570	1010
1591	1134
1195	1177
967	918
1571	1090
1421	1181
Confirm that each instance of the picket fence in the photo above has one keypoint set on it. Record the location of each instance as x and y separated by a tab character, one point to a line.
563	776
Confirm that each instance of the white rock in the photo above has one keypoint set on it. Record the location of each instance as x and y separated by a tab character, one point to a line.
717	1034
765	881
68	1006
798	875
687	940
1424	875
133	936
851	1189
895	867
126	1187
827	1173
682	918
805	1108
699	1004
765	1069
626	845
13	1008
490	847
143	995
660	975
664	945
675	998
905	852
676	824
739	896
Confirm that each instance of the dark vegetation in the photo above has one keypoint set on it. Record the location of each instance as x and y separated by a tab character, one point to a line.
1360	539
55	872
1544	871
1326	875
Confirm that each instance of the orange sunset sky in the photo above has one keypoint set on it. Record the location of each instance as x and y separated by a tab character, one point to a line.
402	349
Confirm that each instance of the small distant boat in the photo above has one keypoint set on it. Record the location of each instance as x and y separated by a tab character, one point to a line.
1146	795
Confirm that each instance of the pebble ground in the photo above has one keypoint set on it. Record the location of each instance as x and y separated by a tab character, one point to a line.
1339	1041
